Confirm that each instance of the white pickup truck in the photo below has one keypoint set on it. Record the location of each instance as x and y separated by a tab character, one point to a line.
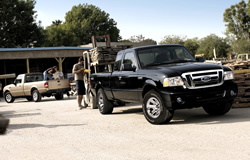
32	87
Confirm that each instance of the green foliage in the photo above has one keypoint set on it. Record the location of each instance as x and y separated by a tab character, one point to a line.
139	38
57	22
88	20
211	42
237	20
18	27
192	45
238	46
81	23
174	39
149	40
58	35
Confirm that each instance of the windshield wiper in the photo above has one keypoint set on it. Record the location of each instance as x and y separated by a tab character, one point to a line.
153	64
181	60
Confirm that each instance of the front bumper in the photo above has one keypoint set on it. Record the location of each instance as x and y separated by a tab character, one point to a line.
190	98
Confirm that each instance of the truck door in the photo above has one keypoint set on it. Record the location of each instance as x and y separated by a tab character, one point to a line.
17	90
124	82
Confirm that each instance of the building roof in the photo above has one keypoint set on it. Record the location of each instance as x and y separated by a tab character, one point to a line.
44	48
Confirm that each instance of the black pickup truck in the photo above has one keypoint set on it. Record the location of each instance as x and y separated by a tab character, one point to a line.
164	78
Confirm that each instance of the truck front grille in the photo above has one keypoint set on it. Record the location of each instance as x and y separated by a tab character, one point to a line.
203	79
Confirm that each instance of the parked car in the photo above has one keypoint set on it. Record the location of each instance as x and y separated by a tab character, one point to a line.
33	87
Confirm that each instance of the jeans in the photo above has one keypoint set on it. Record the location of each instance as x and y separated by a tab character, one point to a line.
46	76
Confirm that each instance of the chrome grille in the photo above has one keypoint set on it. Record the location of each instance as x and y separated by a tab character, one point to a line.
203	79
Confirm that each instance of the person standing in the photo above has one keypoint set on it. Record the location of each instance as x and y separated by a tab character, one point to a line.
78	70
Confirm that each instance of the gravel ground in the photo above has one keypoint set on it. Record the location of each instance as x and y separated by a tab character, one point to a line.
55	130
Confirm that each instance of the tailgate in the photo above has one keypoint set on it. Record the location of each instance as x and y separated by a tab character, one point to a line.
58	84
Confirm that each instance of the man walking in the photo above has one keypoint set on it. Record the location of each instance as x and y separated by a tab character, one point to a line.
78	70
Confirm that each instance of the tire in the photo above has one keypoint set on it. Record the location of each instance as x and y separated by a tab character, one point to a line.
103	104
36	96
29	98
154	110
59	96
217	109
8	97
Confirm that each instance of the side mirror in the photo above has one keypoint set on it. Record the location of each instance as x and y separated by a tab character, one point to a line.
128	67
200	59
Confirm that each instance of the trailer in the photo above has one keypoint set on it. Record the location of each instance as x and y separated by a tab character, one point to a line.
100	59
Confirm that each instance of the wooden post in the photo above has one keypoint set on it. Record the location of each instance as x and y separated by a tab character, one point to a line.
28	65
60	61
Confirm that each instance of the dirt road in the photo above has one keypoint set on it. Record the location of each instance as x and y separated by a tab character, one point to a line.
55	130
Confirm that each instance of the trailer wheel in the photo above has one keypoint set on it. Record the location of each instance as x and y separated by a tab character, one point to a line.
103	104
154	110
36	96
218	108
8	97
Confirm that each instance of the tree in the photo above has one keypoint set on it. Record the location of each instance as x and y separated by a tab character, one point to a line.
149	40
59	35
137	38
237	20
192	45
88	20
238	46
211	42
18	27
57	22
140	38
174	39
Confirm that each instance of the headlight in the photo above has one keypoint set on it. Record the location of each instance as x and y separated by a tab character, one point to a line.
228	75
172	82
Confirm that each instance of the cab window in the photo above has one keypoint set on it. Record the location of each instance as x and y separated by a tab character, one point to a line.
130	59
19	79
117	64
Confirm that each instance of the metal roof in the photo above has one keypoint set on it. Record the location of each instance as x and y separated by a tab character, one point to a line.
44	49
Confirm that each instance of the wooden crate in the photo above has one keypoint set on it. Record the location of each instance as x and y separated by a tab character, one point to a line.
242	79
104	54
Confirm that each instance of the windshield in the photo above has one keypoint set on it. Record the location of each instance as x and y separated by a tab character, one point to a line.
164	55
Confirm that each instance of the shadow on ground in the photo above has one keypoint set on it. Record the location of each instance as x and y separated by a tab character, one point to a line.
33	125
197	116
45	99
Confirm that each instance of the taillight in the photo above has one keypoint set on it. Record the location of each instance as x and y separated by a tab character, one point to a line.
46	85
69	82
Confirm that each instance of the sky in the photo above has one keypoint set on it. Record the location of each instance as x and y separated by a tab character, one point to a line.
154	19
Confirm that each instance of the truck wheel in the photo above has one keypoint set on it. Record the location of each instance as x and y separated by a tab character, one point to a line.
36	96
29	98
154	110
104	105
8	97
218	108
59	96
